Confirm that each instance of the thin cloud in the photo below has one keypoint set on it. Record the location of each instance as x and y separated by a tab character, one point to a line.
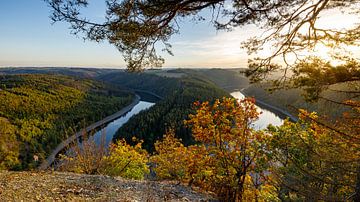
220	50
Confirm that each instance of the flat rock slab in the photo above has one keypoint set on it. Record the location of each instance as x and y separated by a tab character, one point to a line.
57	186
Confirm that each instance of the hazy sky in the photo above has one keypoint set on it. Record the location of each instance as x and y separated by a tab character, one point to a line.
27	38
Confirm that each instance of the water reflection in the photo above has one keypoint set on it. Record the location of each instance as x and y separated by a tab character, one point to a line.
266	117
109	131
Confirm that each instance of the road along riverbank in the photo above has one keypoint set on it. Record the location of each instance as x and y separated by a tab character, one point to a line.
51	158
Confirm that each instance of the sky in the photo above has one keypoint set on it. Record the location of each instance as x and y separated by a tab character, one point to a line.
27	38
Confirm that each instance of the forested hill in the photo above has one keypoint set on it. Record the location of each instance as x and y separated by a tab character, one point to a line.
68	71
293	99
37	112
159	85
170	112
228	79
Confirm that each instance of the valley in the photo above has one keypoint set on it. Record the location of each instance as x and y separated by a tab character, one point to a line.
201	100
48	113
178	92
39	111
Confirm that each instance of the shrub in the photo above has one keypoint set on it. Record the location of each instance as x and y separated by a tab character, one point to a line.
122	159
126	161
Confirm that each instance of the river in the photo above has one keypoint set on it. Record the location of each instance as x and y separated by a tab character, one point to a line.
110	129
265	118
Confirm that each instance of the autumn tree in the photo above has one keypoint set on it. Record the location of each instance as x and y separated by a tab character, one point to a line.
170	159
230	157
312	162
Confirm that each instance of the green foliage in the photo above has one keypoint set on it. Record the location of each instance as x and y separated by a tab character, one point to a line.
161	86
9	146
43	110
311	161
315	75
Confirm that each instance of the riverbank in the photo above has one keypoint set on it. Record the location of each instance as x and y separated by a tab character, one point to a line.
276	110
51	158
283	114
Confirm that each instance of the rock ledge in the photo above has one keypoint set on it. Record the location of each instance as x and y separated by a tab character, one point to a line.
58	186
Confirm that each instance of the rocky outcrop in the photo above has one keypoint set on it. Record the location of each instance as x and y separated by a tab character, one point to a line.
57	186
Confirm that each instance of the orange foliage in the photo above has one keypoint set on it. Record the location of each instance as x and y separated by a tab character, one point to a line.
227	154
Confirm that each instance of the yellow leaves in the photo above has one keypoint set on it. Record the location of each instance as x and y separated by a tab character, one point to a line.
122	160
354	104
9	146
227	149
126	161
303	114
170	157
224	121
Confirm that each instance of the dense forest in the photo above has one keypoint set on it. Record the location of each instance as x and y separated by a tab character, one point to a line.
293	99
37	112
159	85
170	112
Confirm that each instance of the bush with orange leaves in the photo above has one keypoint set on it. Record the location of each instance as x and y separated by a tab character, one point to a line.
230	157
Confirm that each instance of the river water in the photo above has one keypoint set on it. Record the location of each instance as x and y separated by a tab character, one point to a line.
110	129
265	118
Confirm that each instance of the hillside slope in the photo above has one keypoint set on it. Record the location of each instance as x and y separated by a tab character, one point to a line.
37	112
32	186
293	99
